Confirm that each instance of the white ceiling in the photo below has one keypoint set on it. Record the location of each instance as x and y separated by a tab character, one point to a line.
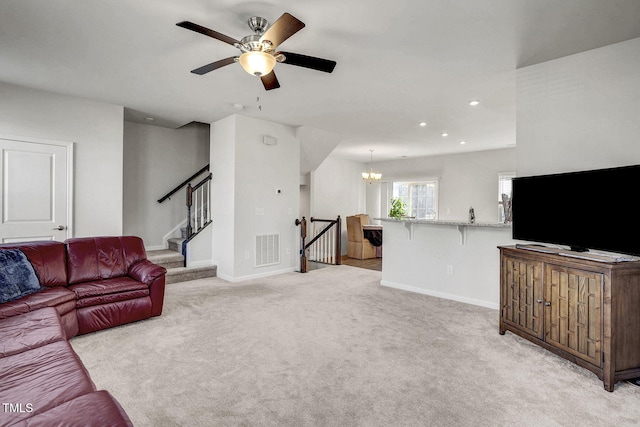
399	62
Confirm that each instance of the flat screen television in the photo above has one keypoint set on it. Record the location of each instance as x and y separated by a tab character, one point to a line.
595	209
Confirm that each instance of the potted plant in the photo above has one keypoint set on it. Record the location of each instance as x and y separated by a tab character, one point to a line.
397	208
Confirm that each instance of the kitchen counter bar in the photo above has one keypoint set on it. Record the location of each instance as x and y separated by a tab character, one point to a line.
426	257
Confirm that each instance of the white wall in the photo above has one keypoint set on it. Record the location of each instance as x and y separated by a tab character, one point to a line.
222	158
337	188
96	129
580	112
305	200
315	146
469	179
435	262
247	174
157	159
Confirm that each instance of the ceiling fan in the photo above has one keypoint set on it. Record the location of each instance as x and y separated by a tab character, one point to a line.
259	54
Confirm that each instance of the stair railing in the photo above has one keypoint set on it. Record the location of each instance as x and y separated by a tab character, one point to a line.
183	184
198	206
324	247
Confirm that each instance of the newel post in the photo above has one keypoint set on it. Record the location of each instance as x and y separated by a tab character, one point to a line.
189	204
303	249
338	243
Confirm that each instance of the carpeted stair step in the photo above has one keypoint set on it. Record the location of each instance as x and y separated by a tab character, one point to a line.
166	258
184	274
174	263
175	244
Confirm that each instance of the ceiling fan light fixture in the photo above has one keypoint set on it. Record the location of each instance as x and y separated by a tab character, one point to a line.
257	63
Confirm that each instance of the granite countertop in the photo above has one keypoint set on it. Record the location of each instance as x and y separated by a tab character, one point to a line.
446	222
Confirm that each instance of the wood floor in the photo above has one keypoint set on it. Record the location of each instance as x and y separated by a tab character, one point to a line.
369	264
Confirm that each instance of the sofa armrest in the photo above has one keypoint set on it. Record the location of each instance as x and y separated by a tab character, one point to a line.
146	272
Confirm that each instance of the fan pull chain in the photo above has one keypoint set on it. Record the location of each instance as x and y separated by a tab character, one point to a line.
258	99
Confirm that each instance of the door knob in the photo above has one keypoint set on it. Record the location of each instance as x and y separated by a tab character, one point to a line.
60	228
547	303
539	301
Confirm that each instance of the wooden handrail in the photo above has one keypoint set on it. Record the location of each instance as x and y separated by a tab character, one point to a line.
183	184
304	246
322	220
201	183
324	230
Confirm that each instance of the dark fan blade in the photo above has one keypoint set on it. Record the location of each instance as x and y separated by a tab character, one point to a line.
309	62
284	27
270	81
207	32
213	66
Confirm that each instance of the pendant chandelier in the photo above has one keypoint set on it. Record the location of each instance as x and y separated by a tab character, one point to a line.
371	176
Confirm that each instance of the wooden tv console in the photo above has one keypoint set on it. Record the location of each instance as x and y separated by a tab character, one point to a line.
585	308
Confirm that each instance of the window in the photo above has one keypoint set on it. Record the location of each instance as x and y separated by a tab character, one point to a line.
420	198
504	187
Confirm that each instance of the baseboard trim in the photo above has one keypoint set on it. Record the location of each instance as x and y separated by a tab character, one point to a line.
443	295
204	263
255	276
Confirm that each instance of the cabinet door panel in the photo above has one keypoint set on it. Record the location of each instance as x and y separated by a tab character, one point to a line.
573	315
522	295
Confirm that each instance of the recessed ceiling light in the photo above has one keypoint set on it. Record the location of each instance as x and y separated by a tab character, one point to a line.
149	119
463	142
445	134
422	124
474	102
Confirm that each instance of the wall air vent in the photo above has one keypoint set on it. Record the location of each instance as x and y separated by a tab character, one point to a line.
267	249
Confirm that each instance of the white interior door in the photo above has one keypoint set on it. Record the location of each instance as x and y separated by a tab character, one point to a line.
35	180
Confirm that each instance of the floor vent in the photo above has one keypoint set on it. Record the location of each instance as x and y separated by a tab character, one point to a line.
267	249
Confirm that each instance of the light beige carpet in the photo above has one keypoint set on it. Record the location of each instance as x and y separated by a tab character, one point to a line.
334	348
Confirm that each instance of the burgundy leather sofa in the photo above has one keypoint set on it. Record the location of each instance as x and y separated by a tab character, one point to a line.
93	282
42	380
88	284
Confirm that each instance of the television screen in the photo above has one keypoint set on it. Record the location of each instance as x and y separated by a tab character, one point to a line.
595	209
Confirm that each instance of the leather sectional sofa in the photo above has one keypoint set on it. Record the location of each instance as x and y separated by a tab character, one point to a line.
42	380
88	284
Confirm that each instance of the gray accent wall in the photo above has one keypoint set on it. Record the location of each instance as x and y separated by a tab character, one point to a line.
156	159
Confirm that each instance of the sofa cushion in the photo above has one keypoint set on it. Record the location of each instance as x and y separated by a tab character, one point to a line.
99	317
48	258
95	409
95	258
133	248
58	297
111	298
43	377
29	330
13	308
92	258
108	286
50	297
17	277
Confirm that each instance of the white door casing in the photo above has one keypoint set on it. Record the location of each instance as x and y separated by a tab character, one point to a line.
35	189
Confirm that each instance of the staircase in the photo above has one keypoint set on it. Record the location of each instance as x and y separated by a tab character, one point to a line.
173	261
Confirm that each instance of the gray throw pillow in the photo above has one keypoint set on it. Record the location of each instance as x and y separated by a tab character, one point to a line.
17	277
